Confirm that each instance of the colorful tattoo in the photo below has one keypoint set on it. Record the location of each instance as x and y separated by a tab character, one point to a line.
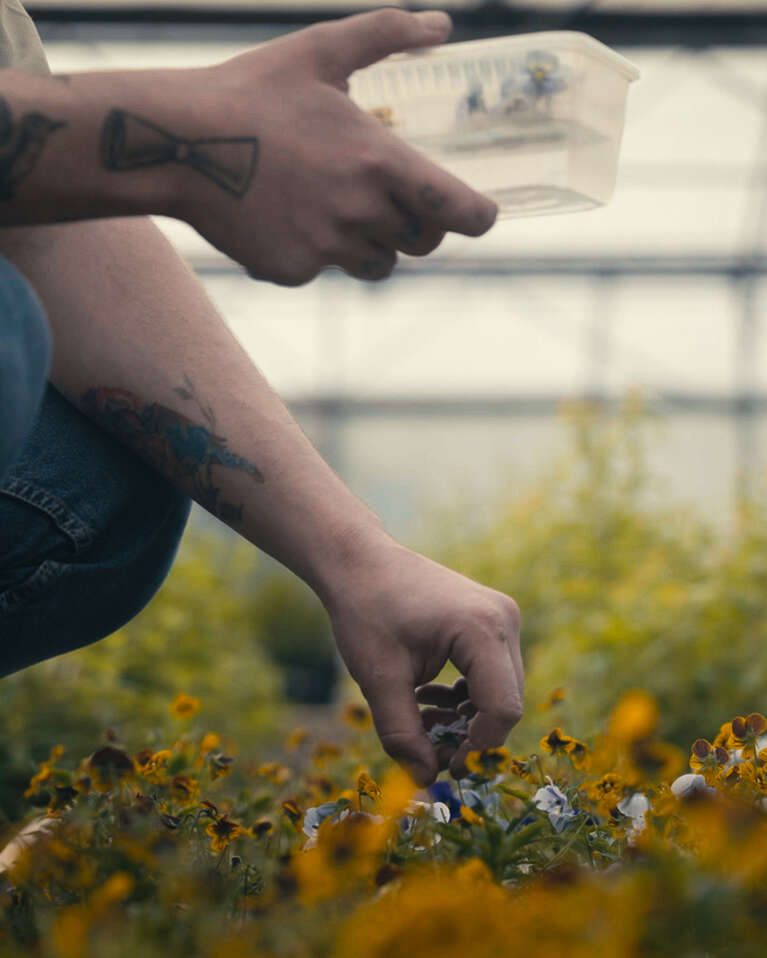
180	448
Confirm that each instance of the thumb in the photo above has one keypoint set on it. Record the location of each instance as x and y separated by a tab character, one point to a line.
397	720
358	41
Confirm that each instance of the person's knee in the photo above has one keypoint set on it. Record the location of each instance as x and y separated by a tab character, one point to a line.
25	355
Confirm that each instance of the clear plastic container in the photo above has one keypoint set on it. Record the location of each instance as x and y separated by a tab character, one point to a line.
533	120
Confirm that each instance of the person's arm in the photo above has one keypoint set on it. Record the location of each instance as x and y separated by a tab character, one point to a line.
140	349
264	154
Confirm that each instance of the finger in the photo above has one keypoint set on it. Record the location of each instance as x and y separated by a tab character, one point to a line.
444	755
413	233
441	695
445	202
486	661
467	708
484	732
355	42
430	717
370	260
397	721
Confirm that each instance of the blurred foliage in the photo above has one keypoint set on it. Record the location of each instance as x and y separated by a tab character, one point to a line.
199	635
617	588
579	849
297	637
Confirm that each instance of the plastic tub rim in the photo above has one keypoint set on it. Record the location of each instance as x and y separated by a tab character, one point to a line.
560	39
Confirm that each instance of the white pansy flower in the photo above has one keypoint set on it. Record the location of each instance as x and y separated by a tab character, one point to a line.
690	784
634	807
554	802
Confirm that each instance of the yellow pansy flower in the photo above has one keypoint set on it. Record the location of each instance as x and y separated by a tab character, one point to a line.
357	715
488	762
184	706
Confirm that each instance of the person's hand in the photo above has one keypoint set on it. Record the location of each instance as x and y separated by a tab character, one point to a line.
330	185
397	620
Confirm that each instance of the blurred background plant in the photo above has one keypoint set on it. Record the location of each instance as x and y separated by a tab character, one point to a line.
617	588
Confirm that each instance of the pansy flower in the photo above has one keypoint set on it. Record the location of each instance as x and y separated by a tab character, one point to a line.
488	762
222	830
551	800
184	706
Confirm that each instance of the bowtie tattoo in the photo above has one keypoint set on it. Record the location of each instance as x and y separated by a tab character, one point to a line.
129	142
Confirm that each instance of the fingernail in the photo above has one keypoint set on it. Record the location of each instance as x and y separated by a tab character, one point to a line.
435	21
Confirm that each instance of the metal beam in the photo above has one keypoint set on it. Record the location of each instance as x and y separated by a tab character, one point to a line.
625	29
341	406
640	266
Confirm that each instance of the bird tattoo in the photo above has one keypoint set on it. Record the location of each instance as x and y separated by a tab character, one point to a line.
21	144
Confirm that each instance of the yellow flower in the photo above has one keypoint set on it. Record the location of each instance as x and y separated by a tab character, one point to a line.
219	765
262	827
397	790
184	706
184	788
152	765
298	737
488	762
357	715
293	810
745	732
44	774
724	736
553	698
655	761
116	888
319	787
606	792
556	742
109	766
708	760
578	753
276	773
209	741
222	830
634	717
346	854
451	912
366	786
470	817
323	752
524	768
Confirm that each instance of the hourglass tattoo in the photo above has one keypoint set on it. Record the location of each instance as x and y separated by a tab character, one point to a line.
179	447
129	142
21	144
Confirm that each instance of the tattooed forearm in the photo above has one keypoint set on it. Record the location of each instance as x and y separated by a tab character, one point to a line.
129	142
178	447
21	143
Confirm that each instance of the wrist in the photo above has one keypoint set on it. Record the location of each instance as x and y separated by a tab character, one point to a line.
347	556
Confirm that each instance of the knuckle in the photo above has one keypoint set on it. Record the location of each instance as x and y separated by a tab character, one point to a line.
390	21
371	163
511	714
513	613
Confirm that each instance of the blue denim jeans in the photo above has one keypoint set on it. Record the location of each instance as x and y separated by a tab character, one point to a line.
88	531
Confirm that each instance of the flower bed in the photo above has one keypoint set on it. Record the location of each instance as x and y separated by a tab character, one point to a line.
624	847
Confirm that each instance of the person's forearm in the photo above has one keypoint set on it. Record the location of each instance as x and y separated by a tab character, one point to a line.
139	348
80	147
